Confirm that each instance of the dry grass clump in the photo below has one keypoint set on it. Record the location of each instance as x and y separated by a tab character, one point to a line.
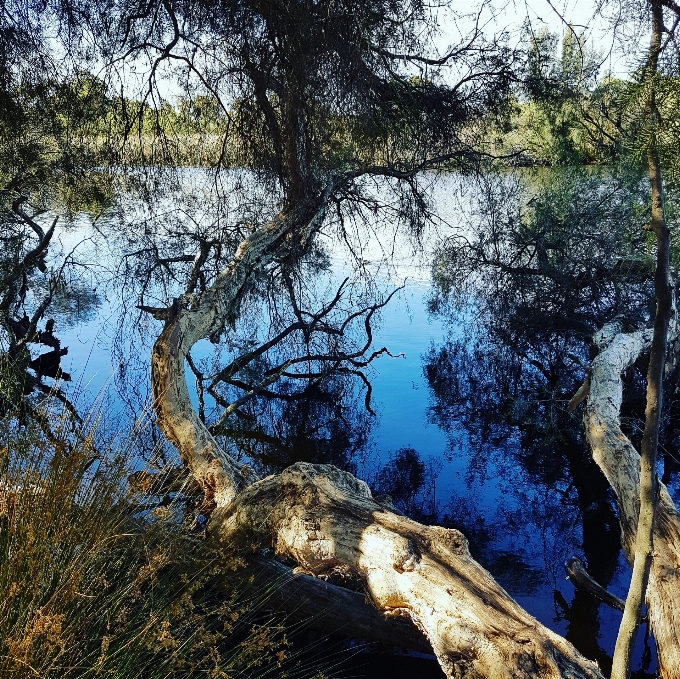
95	582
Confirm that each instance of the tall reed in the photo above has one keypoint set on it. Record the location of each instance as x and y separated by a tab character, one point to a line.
95	582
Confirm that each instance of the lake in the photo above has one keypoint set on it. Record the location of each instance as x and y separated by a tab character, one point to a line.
522	523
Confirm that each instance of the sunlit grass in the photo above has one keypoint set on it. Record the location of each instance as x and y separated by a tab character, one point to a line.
96	582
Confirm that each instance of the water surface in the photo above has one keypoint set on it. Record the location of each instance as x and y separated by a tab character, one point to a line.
521	527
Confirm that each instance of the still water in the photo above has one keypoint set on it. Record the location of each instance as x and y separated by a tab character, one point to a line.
521	527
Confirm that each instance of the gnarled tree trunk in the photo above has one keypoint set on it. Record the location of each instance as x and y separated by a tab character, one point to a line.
620	463
327	521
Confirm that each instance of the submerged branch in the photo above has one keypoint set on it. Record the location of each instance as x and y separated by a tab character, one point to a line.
580	578
620	463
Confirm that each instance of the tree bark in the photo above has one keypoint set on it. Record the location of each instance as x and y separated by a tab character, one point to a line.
620	463
326	520
644	539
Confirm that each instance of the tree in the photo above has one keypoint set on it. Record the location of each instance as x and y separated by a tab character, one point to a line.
648	492
299	75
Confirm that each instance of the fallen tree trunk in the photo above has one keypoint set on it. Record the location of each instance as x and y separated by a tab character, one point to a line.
326	520
620	463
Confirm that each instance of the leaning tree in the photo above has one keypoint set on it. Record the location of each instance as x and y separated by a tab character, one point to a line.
321	100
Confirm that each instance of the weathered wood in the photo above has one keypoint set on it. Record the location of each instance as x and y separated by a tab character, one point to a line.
326	520
579	576
620	462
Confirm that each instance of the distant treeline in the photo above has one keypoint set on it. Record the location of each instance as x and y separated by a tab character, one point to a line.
564	113
568	113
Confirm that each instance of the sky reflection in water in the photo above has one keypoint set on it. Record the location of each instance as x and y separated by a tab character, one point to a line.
521	532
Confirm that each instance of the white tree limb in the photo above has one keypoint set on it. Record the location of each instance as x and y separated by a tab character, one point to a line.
620	462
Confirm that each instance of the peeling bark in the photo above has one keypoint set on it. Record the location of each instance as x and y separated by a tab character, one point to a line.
326	520
620	462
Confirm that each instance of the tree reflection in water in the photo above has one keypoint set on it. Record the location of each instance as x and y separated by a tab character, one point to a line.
546	261
508	384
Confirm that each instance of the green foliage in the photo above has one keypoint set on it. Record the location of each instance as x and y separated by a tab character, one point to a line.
643	131
48	143
552	251
557	88
565	115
